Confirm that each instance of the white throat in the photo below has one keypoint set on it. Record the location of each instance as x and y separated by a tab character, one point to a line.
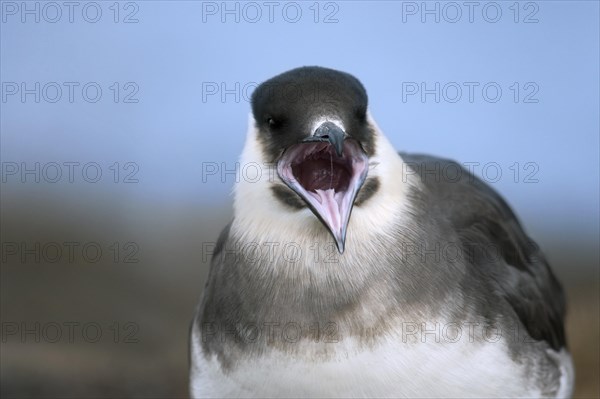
261	217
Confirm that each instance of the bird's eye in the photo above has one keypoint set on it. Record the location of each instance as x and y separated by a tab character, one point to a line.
272	122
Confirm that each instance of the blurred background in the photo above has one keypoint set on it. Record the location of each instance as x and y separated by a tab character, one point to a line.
122	122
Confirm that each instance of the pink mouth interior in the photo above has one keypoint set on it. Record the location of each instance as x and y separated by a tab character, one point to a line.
322	169
327	182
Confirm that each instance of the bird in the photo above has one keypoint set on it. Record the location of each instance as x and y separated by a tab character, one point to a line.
350	269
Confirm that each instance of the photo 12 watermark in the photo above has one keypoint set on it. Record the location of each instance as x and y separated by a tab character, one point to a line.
291	92
70	92
470	92
252	12
69	172
69	332
69	252
489	172
274	252
453	12
270	332
72	12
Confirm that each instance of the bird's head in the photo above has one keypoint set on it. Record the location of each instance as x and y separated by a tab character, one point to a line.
311	124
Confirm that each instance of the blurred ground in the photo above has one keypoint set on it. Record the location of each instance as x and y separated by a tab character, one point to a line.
584	335
156	296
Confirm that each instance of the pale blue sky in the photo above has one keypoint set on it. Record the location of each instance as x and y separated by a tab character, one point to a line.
170	54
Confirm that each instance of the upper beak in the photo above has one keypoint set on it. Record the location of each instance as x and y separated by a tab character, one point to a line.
331	133
327	170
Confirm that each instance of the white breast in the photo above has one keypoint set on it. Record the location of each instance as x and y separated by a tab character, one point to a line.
394	368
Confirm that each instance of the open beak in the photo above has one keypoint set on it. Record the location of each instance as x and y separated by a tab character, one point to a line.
327	170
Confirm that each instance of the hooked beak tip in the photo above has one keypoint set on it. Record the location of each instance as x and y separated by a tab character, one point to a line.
330	132
340	239
339	148
340	247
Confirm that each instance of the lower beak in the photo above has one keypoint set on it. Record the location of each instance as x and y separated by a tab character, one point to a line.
327	170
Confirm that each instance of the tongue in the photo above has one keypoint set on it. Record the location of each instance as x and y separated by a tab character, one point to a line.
332	209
